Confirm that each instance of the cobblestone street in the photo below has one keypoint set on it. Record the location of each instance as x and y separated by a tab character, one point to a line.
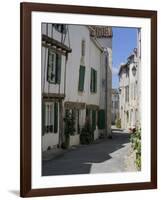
103	156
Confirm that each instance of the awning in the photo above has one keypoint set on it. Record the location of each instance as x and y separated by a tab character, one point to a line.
92	107
74	105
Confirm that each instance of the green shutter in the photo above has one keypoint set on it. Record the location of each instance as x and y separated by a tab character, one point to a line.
55	117
93	84
101	119
95	81
51	117
58	69
81	78
91	81
93	119
43	118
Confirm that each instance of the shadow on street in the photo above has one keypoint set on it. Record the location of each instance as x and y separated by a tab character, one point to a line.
80	160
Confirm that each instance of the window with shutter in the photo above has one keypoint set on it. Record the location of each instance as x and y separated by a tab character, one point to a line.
53	67
101	119
55	117
47	117
95	81
81	78
62	28
93	84
83	48
50	117
93	119
43	118
58	69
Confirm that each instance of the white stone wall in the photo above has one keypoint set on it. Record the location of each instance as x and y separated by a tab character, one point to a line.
124	106
132	107
49	140
92	59
115	106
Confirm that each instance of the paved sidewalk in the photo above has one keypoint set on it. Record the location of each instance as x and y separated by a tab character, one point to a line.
108	155
53	153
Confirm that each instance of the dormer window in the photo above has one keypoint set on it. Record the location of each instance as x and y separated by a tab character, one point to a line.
60	28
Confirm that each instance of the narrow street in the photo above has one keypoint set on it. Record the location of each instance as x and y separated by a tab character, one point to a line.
103	156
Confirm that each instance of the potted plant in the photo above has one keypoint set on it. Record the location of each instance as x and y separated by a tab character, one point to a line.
69	127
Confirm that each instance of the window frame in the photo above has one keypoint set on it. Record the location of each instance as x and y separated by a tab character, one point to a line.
54	69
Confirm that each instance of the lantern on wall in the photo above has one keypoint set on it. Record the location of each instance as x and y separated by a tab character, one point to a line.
134	70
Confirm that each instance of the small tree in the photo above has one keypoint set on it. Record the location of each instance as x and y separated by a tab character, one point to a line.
69	126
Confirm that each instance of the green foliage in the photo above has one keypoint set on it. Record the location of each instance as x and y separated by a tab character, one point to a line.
69	127
86	136
118	123
136	145
69	123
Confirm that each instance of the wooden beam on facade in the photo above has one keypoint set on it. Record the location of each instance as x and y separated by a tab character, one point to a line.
56	43
47	96
74	105
58	51
92	107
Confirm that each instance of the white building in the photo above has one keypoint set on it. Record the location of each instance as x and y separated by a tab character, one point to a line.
76	75
130	89
115	106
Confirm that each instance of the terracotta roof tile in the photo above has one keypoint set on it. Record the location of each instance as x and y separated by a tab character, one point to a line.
100	31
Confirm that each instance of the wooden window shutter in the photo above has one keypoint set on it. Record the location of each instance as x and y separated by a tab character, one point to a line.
93	119
93	84
58	69
101	119
51	117
43	118
92	79
81	78
95	80
55	117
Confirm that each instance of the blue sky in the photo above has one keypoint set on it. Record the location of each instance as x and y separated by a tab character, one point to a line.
124	41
